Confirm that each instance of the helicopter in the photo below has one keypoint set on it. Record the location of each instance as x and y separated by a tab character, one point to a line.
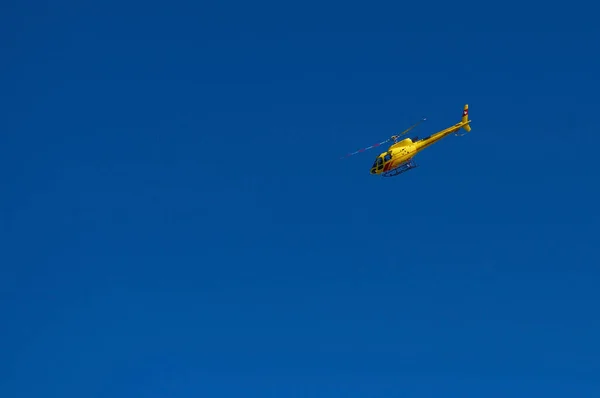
399	156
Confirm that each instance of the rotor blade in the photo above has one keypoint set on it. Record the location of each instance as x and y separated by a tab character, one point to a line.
412	127
366	149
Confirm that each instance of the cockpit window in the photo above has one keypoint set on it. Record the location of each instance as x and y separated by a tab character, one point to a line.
387	157
378	163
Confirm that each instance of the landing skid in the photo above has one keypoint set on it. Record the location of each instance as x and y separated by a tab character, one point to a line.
404	167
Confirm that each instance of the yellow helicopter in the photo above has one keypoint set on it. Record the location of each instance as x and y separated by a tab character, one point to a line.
399	156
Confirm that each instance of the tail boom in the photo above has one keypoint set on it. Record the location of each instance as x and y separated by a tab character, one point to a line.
463	124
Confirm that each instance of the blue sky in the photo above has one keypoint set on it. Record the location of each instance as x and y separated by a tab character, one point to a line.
176	222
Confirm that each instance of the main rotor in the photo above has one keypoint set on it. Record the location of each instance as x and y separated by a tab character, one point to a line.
393	138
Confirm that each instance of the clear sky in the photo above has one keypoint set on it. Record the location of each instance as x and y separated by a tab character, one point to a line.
176	221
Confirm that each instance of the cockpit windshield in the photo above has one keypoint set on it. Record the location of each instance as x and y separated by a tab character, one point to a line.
379	162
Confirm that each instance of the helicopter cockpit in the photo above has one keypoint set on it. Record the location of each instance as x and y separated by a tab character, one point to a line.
381	161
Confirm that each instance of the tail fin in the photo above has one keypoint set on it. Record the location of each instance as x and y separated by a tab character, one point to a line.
465	118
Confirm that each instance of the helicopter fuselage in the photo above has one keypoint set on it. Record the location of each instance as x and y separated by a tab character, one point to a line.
403	151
